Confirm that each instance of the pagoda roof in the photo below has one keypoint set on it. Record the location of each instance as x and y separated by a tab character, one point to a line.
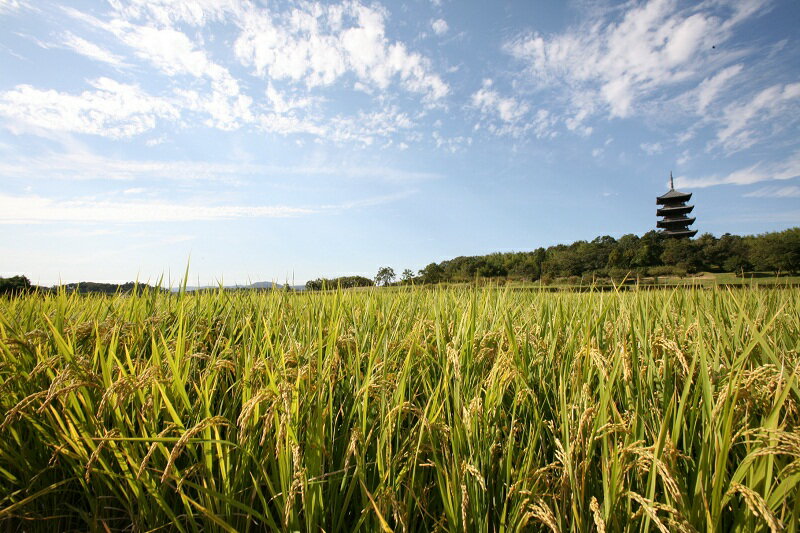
673	196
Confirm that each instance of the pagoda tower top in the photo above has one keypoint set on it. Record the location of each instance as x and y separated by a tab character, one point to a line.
672	196
675	223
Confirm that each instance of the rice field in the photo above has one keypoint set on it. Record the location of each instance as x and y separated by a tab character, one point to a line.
401	410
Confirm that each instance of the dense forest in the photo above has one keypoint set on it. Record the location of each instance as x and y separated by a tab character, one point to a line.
607	257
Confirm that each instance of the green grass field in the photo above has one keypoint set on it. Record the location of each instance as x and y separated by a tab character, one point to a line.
456	409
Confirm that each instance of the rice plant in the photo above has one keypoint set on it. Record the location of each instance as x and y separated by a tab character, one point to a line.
401	410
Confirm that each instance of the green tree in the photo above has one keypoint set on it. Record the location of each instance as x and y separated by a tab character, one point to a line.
407	275
778	252
14	285
731	254
433	273
706	256
344	282
384	276
680	253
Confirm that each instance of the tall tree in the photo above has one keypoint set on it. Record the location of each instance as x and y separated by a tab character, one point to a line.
384	276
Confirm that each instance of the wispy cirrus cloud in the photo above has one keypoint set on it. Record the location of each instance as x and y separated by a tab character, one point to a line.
776	171
370	202
38	209
173	53
35	209
91	50
710	87
7	6
790	191
82	166
651	148
743	120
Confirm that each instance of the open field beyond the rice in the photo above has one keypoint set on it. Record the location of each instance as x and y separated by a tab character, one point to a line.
408	410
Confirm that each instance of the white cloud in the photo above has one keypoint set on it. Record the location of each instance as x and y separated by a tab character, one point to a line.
317	45
439	26
6	6
490	102
617	65
791	191
36	209
173	53
169	50
91	50
169	12
309	45
451	144
111	109
651	148
781	170
513	114
282	103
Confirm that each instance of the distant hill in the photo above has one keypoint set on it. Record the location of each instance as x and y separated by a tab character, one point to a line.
259	285
21	284
85	287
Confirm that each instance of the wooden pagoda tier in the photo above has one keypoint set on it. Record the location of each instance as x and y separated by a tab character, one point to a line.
674	211
683	233
675	223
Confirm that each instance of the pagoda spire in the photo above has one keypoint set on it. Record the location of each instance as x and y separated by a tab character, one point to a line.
671	185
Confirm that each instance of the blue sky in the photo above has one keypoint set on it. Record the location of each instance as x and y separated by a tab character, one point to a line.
288	140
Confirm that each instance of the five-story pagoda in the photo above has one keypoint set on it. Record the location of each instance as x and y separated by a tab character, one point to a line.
674	210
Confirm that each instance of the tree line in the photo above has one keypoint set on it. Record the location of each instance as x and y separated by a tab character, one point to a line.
652	254
606	257
21	284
